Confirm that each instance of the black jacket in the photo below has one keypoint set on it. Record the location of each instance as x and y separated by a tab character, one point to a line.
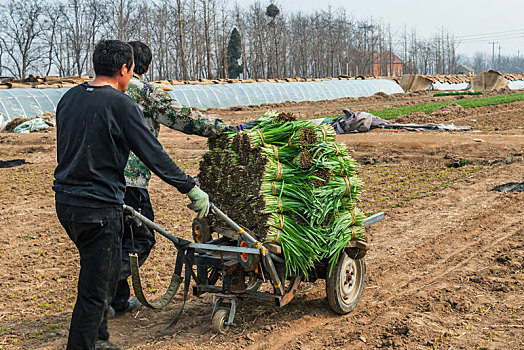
96	128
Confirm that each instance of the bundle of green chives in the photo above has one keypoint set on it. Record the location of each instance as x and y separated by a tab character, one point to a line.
311	134
301	245
291	184
275	134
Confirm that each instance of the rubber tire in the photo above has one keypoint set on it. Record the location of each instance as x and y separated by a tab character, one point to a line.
344	301
202	234
201	230
219	319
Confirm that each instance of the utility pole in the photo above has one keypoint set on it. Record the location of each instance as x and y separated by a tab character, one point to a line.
493	54
366	27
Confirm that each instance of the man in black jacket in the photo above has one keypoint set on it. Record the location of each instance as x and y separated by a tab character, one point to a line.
97	126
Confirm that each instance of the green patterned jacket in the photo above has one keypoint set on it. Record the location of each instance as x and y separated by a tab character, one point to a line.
158	108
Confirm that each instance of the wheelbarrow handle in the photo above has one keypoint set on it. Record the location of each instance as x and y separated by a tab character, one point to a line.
130	211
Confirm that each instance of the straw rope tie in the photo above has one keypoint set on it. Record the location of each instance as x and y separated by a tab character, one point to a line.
342	170
273	188
281	218
324	133
261	136
275	151
348	187
277	238
289	141
336	148
279	171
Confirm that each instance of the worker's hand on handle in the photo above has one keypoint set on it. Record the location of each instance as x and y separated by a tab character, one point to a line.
199	202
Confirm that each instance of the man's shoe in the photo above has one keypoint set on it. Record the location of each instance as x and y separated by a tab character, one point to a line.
132	305
105	345
111	312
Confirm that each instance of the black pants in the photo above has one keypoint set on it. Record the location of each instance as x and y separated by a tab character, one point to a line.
143	241
97	233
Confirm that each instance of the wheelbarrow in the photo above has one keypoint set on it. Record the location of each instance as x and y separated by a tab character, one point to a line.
243	264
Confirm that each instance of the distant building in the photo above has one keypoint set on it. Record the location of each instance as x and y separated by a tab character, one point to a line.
463	69
374	63
387	64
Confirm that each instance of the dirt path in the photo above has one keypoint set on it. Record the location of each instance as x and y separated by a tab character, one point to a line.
445	270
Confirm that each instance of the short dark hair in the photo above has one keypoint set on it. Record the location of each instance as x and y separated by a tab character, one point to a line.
110	55
143	56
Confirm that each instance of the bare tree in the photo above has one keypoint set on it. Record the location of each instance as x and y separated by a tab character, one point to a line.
189	39
23	25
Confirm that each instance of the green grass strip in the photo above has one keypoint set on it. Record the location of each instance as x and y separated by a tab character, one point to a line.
453	93
391	113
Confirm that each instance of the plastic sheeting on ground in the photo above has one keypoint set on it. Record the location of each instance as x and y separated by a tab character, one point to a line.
36	124
356	122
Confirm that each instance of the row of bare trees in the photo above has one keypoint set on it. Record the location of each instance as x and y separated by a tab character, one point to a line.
190	39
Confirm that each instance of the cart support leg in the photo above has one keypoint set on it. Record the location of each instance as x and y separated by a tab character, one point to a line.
219	299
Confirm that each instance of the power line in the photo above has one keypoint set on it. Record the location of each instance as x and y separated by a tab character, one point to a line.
492	38
489	34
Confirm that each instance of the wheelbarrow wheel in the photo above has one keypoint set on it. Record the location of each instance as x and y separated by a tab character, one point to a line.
201	230
219	322
344	286
202	234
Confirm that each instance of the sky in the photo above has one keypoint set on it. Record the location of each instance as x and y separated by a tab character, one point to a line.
476	23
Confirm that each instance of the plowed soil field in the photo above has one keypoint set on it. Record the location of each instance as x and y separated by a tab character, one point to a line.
445	269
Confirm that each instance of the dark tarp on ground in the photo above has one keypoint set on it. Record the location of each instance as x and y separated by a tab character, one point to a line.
354	122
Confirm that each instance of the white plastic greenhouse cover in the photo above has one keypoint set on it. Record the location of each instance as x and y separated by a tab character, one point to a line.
15	103
20	103
516	85
448	86
245	94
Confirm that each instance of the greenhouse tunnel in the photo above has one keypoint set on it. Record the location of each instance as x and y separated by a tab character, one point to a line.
27	103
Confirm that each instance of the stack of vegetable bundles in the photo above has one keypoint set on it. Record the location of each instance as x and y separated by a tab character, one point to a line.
288	182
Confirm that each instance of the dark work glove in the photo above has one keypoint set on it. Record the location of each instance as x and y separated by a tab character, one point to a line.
239	127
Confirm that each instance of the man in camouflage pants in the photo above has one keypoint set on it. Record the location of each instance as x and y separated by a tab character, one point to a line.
158	108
